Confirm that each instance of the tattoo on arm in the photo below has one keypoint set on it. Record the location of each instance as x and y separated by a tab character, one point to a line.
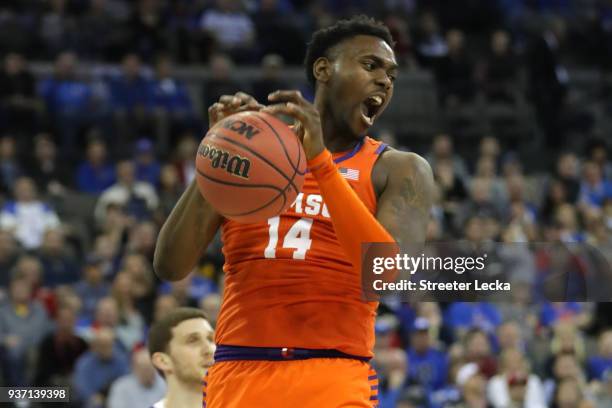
407	215
412	196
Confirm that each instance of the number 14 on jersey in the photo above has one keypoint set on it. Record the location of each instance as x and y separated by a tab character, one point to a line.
297	238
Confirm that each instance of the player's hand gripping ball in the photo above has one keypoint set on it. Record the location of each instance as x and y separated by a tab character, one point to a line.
250	166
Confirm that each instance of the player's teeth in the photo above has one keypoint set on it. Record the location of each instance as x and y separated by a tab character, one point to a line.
377	100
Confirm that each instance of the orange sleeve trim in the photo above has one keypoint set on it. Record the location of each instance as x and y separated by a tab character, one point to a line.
353	222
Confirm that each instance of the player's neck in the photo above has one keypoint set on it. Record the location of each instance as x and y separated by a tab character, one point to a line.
336	138
183	395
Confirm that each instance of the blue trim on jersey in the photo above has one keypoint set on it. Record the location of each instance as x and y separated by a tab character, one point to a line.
381	148
351	153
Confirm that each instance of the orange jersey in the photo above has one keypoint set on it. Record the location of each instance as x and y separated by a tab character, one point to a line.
288	282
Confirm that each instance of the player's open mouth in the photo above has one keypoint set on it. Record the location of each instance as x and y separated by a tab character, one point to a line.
370	108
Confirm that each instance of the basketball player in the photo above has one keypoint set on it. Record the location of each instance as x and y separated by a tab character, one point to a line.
181	346
293	330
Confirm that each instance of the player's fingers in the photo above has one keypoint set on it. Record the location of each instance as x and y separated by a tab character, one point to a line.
288	96
230	101
301	118
236	107
226	99
285	94
245	98
289	109
249	107
213	108
298	129
214	111
254	105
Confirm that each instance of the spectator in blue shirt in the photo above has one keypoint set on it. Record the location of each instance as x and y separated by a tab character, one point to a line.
169	93
450	394
462	316
551	313
602	362
95	174
69	101
97	369
174	110
594	190
59	264
65	93
428	366
130	90
131	101
598	152
190	290
146	166
92	288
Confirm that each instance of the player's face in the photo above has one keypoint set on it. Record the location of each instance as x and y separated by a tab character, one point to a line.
361	85
191	350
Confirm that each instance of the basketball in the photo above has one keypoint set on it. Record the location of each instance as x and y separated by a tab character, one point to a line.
250	166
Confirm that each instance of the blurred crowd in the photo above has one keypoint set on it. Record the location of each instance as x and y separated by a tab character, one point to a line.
506	53
93	160
479	355
544	63
523	351
193	30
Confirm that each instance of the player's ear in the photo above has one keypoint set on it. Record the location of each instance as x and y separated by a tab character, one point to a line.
322	69
161	361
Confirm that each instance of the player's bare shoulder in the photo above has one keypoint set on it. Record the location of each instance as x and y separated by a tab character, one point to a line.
411	171
406	185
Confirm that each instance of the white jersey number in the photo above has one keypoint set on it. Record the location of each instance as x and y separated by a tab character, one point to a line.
298	237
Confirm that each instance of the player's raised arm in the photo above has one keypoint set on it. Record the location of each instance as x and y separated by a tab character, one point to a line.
193	222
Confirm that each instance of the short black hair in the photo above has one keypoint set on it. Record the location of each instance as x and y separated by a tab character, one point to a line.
325	38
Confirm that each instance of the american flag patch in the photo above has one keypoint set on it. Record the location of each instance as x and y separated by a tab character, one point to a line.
349	174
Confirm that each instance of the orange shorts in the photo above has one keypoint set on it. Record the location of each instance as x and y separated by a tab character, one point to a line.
312	383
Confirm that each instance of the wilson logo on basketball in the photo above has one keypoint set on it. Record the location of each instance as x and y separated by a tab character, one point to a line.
242	128
234	164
